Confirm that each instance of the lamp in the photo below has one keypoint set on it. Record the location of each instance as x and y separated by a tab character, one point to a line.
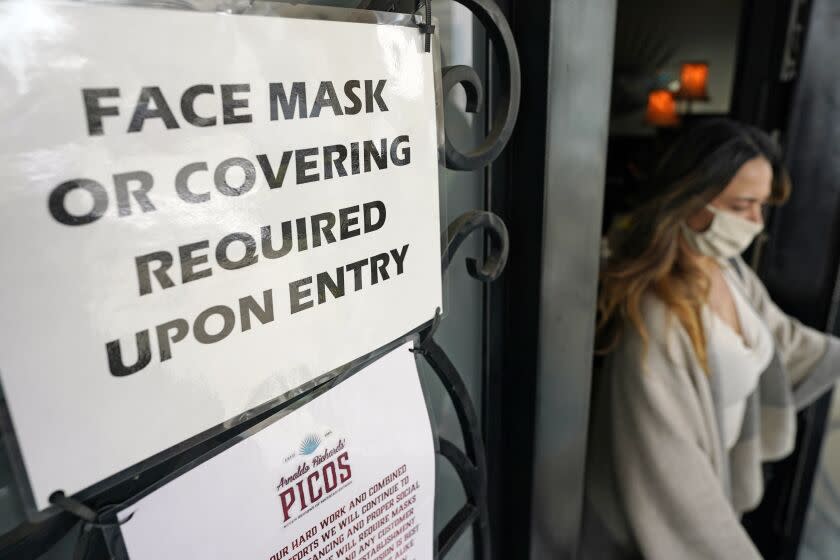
694	78
662	108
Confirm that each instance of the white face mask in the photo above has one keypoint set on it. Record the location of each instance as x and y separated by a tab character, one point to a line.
728	235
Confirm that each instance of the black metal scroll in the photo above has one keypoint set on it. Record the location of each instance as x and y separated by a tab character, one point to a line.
494	22
471	464
462	227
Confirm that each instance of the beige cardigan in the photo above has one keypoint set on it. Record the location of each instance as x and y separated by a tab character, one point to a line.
660	483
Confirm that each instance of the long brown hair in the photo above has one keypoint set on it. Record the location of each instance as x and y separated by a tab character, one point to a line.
649	254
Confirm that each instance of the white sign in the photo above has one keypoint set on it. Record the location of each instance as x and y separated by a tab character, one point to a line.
199	213
350	476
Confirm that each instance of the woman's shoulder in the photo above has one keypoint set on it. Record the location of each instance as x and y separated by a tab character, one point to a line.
665	343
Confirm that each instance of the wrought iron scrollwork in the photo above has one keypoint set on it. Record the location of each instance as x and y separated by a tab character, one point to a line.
470	465
462	227
471	512
501	37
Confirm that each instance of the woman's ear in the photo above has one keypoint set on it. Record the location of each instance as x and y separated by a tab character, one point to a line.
700	220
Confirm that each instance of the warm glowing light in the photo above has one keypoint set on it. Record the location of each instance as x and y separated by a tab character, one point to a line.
694	77
662	108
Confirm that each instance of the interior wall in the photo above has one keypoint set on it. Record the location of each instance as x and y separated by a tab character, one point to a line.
689	31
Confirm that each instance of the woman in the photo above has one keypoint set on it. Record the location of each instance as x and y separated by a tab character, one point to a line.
703	373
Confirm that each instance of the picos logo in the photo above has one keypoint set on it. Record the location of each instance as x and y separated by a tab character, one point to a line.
320	469
309	444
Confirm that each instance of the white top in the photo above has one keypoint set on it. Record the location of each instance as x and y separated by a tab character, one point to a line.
745	359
